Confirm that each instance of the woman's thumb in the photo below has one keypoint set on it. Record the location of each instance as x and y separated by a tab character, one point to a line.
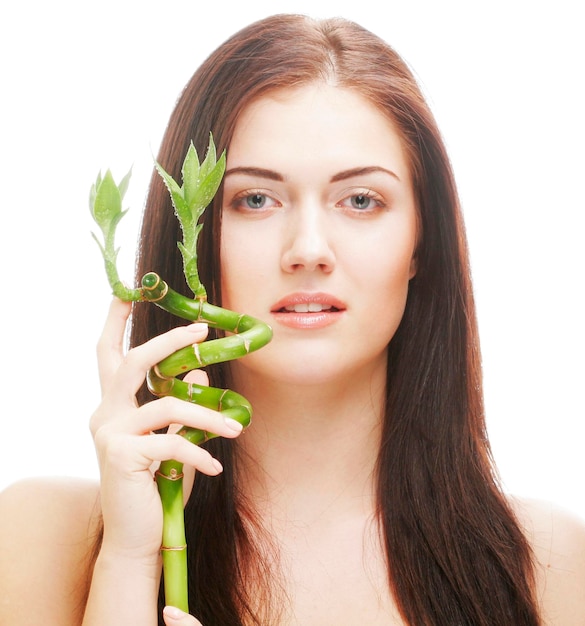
175	617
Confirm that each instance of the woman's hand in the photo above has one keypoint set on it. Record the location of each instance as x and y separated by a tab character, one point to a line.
176	617
126	447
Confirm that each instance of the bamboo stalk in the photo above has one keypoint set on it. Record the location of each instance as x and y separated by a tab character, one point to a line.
169	480
200	183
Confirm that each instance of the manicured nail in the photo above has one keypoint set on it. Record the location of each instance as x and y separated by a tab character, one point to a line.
173	612
197	327
233	424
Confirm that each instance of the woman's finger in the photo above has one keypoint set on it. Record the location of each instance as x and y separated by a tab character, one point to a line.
110	346
123	457
160	413
198	377
162	447
176	617
132	369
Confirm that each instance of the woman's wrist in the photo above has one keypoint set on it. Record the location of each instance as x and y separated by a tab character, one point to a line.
138	551
124	590
147	565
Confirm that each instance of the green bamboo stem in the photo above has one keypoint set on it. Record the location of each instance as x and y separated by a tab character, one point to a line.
162	381
250	333
169	480
200	183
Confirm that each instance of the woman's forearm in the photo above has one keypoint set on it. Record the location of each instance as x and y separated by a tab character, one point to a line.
123	592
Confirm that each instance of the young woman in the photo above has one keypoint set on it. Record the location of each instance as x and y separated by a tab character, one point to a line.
364	492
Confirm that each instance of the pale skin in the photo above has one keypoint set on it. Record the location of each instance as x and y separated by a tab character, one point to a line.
338	228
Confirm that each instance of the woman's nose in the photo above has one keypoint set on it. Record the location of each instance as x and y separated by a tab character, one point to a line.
308	242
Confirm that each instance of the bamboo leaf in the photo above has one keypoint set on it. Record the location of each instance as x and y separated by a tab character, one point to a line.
210	159
99	243
190	173
123	185
208	187
105	202
177	197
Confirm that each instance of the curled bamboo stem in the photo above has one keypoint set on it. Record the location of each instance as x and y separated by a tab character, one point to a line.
246	334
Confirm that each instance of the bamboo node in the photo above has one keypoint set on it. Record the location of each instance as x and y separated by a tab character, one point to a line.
197	354
173	548
174	475
240	318
220	401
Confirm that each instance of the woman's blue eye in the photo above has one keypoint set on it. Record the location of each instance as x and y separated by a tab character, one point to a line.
361	201
255	201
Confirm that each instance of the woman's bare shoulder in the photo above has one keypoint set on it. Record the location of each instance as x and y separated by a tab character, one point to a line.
557	537
48	528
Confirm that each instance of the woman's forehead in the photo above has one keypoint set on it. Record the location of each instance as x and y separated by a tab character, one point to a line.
315	123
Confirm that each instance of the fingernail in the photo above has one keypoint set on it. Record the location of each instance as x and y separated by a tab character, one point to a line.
197	327
173	612
218	466
233	424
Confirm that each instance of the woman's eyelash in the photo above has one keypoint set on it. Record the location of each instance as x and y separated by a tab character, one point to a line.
362	199
251	199
359	200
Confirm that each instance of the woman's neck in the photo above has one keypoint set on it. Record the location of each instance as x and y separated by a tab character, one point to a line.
312	449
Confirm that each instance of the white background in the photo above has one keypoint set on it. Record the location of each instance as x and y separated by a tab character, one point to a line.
90	85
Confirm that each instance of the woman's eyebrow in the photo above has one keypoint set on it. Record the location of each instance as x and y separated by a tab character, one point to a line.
361	171
256	171
262	172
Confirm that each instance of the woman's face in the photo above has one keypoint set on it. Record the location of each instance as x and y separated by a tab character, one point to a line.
319	229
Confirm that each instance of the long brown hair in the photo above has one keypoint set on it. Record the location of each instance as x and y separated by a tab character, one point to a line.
455	552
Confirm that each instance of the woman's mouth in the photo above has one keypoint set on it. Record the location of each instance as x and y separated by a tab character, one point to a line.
309	307
307	311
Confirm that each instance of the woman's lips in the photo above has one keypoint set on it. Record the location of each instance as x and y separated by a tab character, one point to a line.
308	310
